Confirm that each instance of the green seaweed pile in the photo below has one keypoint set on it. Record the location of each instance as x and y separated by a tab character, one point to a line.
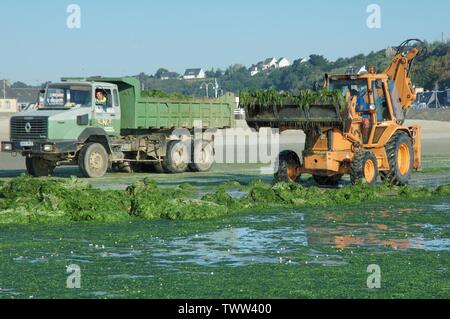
268	98
28	200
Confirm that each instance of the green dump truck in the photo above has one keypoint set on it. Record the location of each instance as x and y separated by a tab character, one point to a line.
102	123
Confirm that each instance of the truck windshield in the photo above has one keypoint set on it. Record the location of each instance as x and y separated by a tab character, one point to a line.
67	96
356	87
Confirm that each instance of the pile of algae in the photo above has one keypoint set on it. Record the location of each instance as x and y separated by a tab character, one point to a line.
29	200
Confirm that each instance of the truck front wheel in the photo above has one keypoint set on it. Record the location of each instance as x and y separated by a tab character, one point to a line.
38	167
93	160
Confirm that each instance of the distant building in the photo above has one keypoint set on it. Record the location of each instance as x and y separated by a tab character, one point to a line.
283	63
254	69
169	76
8	106
269	63
194	74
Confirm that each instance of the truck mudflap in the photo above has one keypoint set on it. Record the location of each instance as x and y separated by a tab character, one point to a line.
40	147
415	132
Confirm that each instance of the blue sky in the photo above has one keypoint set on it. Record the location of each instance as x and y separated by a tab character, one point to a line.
128	37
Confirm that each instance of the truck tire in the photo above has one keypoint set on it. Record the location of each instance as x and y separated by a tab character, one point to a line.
327	180
364	167
93	160
202	156
38	167
400	155
177	157
288	163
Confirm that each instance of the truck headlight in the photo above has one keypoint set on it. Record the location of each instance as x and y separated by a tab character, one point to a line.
6	147
48	147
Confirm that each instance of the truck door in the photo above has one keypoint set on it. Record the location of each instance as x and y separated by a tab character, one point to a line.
105	111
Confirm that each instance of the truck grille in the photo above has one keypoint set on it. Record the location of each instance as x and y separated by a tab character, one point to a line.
29	128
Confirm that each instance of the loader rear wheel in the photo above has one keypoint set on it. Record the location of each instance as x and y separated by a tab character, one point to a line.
401	157
288	165
38	167
93	160
202	157
177	157
327	180
364	168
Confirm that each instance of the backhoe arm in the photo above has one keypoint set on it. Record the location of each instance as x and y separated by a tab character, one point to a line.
398	71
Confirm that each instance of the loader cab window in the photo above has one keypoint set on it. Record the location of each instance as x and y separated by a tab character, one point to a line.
356	87
379	98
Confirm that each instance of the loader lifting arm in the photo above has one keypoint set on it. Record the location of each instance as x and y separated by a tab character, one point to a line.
399	72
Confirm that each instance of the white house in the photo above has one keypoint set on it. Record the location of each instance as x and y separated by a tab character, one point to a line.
283	63
190	74
269	63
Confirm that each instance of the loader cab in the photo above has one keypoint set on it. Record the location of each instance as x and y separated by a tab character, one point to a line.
375	101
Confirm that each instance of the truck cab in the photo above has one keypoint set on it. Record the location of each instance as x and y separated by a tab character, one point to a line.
54	133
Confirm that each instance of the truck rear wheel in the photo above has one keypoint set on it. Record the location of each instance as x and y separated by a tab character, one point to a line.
288	165
202	157
38	167
93	160
364	168
401	159
177	157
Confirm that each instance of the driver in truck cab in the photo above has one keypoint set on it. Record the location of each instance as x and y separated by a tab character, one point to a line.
100	100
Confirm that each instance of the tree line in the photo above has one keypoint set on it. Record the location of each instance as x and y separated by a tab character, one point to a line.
429	72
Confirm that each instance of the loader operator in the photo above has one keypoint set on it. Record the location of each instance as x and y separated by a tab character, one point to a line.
363	107
100	100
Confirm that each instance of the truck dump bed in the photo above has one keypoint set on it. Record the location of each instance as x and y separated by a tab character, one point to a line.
292	112
161	113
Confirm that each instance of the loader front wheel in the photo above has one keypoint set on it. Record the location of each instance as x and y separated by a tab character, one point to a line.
401	157
288	167
364	168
